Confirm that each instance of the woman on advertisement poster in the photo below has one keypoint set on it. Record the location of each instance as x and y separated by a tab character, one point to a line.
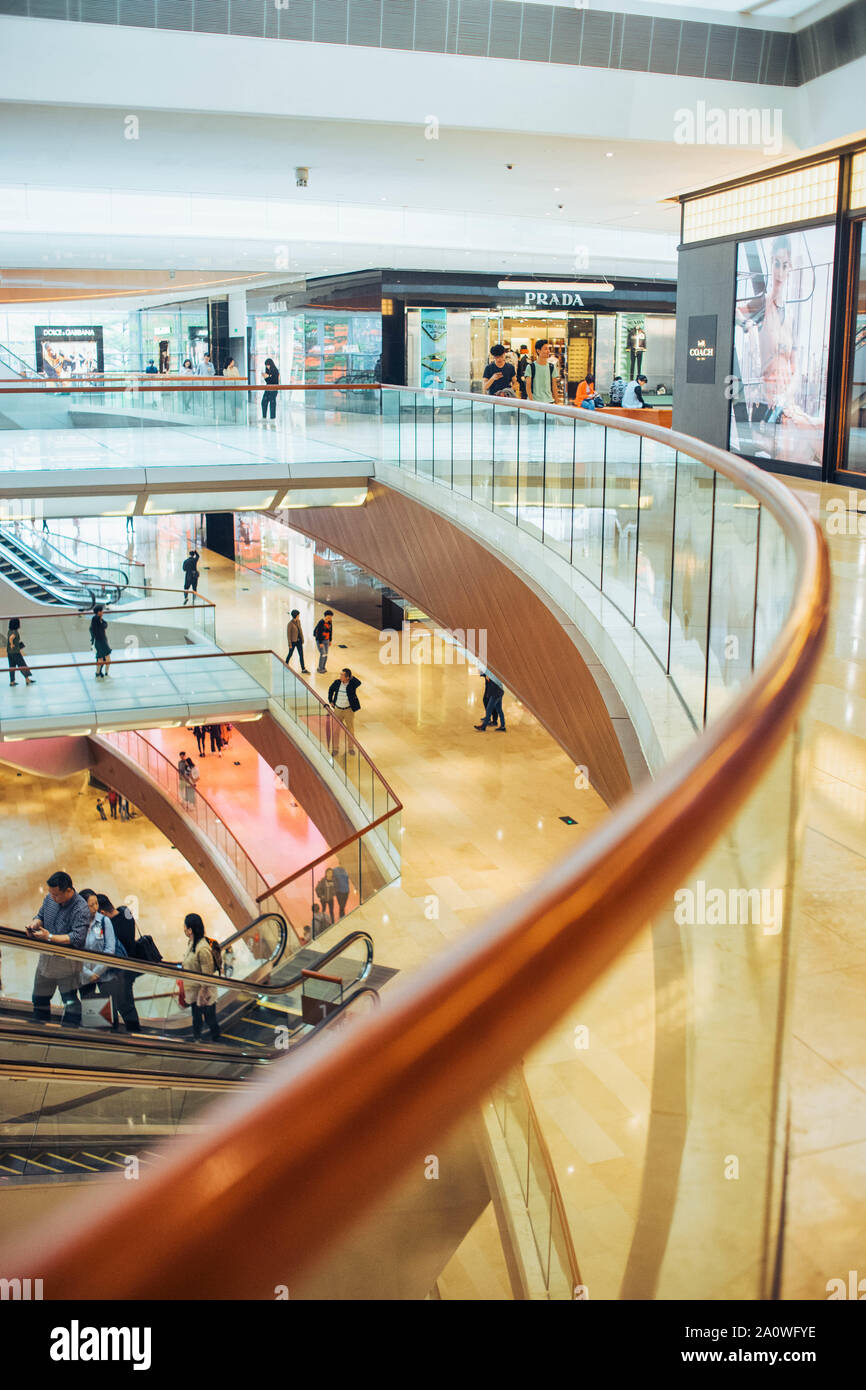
781	425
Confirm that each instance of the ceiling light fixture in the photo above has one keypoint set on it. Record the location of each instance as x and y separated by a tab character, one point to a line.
590	286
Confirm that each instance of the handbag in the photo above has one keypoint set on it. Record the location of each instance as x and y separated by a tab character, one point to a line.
146	949
181	995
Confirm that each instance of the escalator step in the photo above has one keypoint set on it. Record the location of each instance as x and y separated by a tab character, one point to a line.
101	1158
37	1163
67	1161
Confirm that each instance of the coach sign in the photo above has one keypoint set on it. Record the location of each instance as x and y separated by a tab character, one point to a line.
701	343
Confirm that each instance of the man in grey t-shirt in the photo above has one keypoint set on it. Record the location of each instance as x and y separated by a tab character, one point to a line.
62	919
542	375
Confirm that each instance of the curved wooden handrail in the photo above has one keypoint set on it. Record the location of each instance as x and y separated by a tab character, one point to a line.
403	1077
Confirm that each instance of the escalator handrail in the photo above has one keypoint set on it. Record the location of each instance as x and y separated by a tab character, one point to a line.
117	576
11	936
438	1045
93	545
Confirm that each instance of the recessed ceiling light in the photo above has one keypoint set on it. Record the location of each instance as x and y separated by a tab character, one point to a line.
557	190
608	154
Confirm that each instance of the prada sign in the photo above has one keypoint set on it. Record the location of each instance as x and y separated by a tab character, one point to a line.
701	345
552	299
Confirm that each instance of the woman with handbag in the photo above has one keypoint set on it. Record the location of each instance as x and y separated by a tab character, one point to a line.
202	998
100	937
14	648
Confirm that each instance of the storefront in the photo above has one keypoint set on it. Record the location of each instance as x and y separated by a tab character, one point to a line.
606	344
771	342
421	328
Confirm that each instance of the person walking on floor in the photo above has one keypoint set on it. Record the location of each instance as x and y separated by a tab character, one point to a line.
498	376
490	688
522	369
269	397
216	740
343	696
341	888
99	640
190	573
493	706
323	636
295	638
124	808
185	781
112	802
63	919
542	379
101	809
202	998
199	732
14	648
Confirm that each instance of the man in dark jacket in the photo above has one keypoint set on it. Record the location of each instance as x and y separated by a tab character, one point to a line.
323	636
490	689
190	573
123	923
492	705
63	919
343	697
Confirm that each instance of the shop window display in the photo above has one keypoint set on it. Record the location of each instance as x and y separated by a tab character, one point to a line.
781	336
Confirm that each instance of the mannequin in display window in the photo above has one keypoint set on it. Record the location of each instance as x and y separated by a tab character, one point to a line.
637	348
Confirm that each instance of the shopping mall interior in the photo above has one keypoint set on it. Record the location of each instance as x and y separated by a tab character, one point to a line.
433	569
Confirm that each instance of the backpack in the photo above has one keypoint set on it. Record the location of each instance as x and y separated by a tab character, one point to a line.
549	365
217	953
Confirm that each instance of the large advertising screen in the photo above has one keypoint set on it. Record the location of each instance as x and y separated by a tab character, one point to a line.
64	352
781	343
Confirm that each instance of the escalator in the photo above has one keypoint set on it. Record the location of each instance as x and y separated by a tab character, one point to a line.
50	577
77	1102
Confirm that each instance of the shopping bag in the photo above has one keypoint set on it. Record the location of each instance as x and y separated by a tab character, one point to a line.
96	1012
